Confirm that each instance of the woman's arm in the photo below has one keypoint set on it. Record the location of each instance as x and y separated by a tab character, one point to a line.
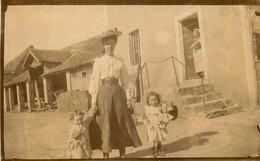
125	82
94	82
196	44
88	117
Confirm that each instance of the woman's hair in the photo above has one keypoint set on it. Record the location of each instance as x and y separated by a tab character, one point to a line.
75	113
152	94
104	39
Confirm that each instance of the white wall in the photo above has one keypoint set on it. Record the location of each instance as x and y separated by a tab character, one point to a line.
222	43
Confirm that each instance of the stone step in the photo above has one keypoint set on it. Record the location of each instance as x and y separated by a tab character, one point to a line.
223	112
195	90
191	99
210	105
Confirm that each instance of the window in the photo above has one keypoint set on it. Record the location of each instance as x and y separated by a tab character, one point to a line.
134	45
84	74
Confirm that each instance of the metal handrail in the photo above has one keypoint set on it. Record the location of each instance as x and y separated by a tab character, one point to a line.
177	81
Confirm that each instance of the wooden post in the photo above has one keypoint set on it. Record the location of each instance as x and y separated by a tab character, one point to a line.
11	98
30	95
6	99
48	93
68	80
20	97
37	93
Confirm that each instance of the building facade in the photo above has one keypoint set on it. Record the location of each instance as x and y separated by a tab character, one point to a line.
162	32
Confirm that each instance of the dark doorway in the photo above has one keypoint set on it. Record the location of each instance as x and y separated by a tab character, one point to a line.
188	25
15	94
59	82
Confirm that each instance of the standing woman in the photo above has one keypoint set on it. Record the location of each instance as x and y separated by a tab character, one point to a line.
197	54
113	127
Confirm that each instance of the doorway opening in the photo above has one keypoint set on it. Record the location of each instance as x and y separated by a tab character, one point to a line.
190	47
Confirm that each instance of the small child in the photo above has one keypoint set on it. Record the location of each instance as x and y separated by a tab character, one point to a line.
156	120
78	145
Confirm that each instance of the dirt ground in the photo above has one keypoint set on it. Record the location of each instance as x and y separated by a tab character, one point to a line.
44	135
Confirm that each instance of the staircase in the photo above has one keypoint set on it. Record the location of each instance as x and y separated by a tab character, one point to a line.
215	104
192	98
189	100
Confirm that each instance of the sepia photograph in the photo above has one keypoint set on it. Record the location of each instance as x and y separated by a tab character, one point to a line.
131	81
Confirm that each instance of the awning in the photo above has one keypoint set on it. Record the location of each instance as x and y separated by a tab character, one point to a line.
19	79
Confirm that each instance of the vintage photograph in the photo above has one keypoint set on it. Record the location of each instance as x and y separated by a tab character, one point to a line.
141	81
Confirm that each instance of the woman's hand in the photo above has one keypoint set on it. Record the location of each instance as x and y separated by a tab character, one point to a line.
129	104
94	107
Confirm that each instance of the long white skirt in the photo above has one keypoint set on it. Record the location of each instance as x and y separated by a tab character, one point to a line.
198	60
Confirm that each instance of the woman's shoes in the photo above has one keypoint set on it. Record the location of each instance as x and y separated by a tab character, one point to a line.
105	155
122	156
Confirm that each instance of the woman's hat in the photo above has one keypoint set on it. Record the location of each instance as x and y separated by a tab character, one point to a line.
109	33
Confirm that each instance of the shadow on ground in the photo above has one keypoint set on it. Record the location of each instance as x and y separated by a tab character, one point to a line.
179	145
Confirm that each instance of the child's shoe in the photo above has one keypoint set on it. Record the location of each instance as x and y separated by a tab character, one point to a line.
160	152
154	153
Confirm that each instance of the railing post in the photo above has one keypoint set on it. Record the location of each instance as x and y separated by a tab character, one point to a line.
173	63
203	93
142	86
147	75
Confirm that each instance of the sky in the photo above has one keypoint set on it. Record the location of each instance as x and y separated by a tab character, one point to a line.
50	27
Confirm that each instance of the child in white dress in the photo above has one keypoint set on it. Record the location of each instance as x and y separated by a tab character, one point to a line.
78	145
157	117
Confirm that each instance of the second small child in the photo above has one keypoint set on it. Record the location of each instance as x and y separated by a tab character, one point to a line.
157	117
78	145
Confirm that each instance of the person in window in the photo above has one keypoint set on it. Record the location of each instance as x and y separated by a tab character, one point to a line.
113	127
197	53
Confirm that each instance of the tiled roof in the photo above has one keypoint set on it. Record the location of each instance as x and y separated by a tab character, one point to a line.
77	59
44	55
15	65
92	44
20	78
84	52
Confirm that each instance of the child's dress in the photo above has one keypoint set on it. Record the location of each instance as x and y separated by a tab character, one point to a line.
156	124
78	145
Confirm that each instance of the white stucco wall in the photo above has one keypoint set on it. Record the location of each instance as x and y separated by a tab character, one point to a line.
77	82
222	43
